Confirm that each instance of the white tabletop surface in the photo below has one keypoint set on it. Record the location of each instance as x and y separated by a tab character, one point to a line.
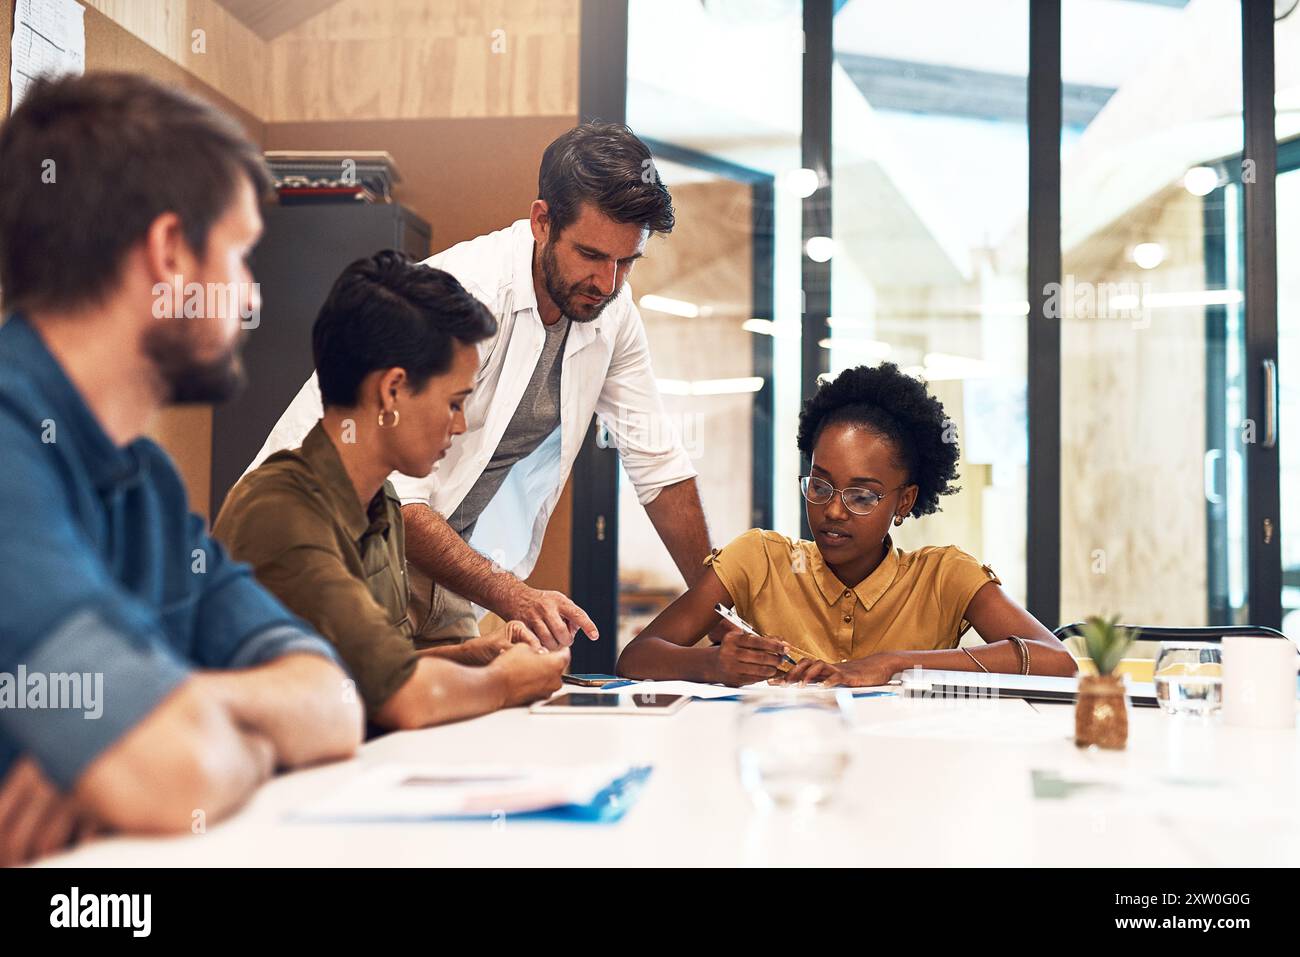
930	783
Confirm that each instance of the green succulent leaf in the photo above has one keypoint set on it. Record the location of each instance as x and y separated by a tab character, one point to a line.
1106	642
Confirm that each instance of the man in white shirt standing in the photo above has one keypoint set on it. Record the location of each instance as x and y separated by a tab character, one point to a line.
570	344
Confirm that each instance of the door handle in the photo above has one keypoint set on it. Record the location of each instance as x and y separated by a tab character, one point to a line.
1270	404
1212	458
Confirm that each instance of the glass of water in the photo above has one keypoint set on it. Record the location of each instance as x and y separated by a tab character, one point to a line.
1189	677
792	746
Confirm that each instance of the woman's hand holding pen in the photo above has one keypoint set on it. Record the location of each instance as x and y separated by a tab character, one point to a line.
744	658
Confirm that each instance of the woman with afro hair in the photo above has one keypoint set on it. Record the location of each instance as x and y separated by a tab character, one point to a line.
849	607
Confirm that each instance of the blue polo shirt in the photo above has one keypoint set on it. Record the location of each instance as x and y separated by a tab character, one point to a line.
106	579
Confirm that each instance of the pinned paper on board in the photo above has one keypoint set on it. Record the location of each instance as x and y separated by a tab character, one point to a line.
49	40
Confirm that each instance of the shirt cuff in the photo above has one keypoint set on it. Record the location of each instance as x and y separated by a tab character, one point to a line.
662	471
278	641
83	687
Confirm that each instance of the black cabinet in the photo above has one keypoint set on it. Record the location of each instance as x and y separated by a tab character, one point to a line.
302	252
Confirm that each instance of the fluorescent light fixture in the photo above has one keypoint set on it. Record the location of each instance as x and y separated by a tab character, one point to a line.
1148	255
674	307
1020	307
1200	180
766	327
710	386
941	366
819	248
860	348
801	182
1202	297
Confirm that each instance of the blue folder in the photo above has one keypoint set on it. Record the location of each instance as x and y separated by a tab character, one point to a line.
606	807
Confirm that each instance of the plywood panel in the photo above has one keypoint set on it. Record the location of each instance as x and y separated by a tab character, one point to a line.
6	31
109	46
232	58
407	59
186	433
270	18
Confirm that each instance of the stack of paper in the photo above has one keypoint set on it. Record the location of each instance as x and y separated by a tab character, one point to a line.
408	792
701	690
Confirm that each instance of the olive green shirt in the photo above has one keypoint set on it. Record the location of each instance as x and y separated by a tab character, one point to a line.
297	520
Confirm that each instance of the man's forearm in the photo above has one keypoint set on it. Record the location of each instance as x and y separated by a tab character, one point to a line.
678	516
190	754
434	547
305	705
441	691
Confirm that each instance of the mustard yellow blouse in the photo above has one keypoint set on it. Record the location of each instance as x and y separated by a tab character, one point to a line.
913	601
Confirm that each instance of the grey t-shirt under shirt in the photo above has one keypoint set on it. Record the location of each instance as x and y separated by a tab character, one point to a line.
537	416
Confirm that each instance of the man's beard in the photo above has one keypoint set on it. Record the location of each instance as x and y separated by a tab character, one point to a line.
566	297
187	379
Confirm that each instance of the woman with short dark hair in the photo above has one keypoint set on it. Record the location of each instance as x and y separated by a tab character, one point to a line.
395	346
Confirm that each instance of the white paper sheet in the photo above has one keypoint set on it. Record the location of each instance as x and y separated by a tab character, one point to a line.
694	689
49	40
415	792
698	689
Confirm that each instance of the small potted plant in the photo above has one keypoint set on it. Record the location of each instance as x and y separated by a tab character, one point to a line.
1101	713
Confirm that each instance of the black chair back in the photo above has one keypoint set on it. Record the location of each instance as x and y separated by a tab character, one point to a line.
1163	633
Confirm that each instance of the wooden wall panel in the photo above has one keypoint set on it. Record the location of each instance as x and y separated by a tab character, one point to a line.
270	18
233	58
6	31
407	59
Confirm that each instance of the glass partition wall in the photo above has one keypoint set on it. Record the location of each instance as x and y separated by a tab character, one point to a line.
1164	511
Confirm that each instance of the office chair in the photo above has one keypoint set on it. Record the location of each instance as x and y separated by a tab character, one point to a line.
1163	633
1139	666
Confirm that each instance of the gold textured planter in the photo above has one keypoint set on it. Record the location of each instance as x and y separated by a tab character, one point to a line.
1101	713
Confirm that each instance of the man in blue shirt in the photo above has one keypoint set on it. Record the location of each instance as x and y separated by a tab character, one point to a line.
147	682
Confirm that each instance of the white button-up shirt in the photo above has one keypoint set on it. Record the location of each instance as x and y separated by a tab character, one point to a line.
606	371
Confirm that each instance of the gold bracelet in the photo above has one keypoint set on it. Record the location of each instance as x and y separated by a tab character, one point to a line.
976	660
1024	653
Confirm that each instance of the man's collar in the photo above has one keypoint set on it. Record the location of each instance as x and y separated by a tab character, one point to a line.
521	282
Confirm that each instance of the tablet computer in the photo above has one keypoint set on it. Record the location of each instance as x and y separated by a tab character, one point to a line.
609	703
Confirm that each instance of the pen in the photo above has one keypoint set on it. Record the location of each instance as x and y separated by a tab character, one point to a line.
745	626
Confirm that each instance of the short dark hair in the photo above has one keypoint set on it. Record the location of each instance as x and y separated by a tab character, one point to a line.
387	311
89	162
899	407
604	164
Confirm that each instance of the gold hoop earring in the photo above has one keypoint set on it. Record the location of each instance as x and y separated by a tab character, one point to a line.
396	418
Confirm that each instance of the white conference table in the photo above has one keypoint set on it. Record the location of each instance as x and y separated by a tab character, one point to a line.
932	782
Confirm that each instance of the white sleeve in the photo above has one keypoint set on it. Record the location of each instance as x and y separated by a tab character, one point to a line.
303	413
